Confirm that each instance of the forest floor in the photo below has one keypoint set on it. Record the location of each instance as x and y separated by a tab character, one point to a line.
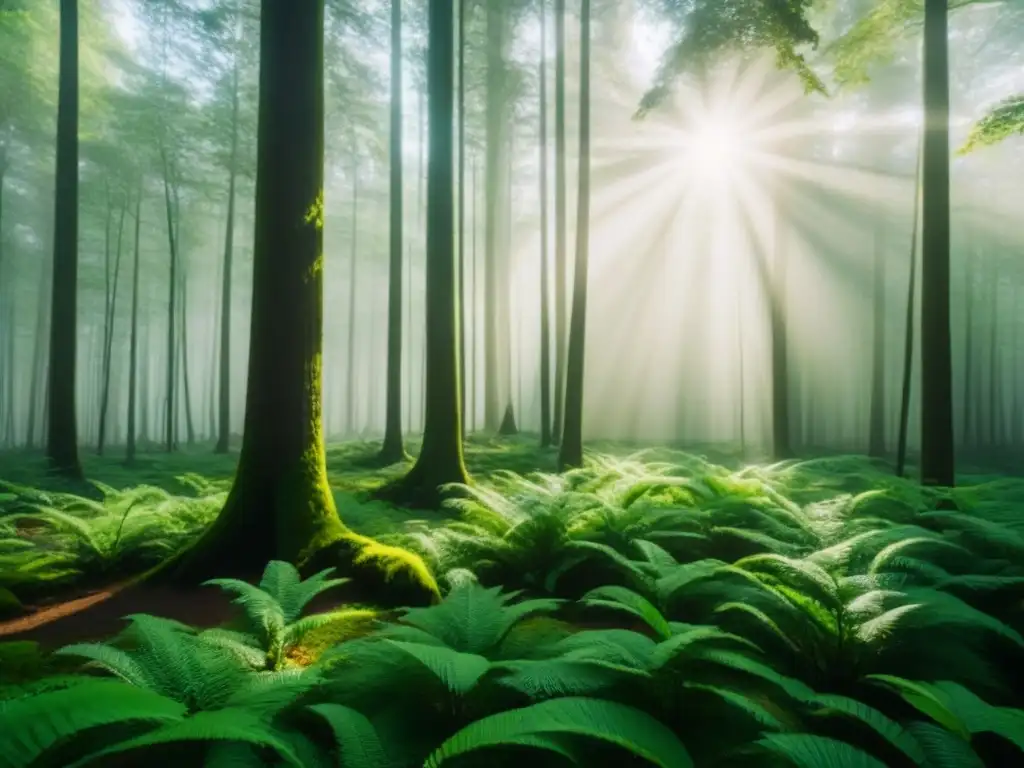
80	611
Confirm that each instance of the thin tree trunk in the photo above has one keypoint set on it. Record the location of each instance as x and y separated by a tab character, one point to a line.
876	436
571	453
224	395
133	344
970	432
440	459
545	290
108	340
190	430
62	432
937	451
393	448
908	343
462	204
350	393
993	360
561	256
781	443
171	308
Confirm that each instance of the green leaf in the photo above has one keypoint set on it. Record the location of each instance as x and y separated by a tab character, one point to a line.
805	750
359	745
607	721
31	726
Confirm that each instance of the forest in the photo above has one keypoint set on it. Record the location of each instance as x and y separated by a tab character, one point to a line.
454	383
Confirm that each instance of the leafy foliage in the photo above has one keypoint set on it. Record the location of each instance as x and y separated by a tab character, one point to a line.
815	612
1004	120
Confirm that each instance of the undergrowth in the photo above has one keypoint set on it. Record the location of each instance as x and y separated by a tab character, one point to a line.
653	610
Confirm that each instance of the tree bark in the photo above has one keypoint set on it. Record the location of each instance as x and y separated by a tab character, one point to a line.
133	344
561	256
876	426
440	460
937	451
393	449
350	389
224	394
169	411
571	453
108	335
62	432
545	290
908	340
280	506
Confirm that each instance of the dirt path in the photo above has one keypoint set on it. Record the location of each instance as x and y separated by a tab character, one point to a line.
100	614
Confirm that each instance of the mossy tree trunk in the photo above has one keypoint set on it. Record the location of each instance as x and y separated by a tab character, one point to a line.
393	448
440	459
571	453
280	505
62	431
937	452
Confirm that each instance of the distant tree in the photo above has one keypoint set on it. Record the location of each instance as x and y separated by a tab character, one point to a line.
571	453
393	448
62	431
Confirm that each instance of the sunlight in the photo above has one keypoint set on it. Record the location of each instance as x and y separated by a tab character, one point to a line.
717	146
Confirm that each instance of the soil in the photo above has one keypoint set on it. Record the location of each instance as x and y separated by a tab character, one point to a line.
99	614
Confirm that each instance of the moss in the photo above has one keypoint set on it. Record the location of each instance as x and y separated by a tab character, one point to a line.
383	574
347	624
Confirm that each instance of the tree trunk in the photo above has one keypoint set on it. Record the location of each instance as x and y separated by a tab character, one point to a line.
937	452
171	307
561	256
393	449
62	432
133	344
545	290
108	335
505	346
186	393
571	454
970	438
440	459
781	445
876	431
350	389
462	206
224	395
280	506
993	360
908	339
493	215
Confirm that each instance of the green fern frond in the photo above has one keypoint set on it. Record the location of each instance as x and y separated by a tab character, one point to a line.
610	722
805	750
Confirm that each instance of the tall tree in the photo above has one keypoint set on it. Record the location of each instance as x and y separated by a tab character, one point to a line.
561	266
937	457
280	505
393	448
876	424
133	344
440	459
224	378
545	290
571	453
62	432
